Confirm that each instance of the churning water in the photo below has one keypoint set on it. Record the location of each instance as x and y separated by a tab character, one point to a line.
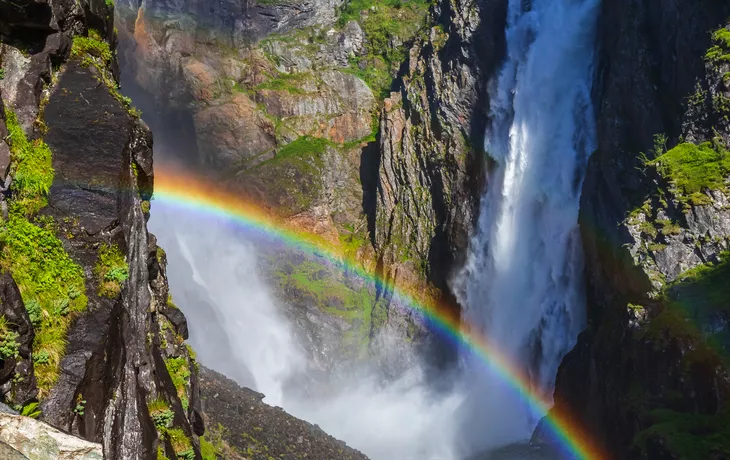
522	284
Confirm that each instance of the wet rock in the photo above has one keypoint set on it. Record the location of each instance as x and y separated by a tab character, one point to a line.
650	59
177	318
17	379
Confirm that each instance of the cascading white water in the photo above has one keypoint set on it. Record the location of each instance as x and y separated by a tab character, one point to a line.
239	330
522	284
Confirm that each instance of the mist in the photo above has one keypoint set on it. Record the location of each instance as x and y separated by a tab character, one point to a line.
239	327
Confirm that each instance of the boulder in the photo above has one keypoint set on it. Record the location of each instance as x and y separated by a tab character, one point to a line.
37	441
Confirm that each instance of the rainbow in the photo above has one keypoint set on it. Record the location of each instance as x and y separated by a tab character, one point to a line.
182	190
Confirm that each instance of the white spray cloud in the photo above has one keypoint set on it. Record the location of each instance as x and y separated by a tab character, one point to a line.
237	328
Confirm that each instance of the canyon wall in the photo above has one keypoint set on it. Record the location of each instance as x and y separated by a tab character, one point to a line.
648	376
91	342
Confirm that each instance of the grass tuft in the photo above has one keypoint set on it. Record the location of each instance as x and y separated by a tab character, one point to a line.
32	169
694	169
111	270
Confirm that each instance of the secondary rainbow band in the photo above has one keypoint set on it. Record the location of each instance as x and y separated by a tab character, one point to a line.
181	190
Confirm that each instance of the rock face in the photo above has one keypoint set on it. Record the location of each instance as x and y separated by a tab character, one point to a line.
90	219
642	375
252	429
350	130
37	441
427	175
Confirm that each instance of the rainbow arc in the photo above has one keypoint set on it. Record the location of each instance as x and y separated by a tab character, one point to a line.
180	190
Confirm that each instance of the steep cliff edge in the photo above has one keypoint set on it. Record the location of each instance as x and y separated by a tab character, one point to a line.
91	315
649	375
90	341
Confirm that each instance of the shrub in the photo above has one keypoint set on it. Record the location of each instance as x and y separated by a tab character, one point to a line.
32	168
111	270
161	414
9	346
31	410
180	442
179	371
693	169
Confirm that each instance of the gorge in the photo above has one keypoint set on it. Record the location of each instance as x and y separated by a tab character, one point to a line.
442	230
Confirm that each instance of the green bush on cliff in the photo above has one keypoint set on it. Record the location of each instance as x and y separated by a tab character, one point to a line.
50	282
179	371
720	51
694	169
94	51
161	414
180	442
46	275
688	436
92	45
111	270
389	25
32	170
9	346
304	145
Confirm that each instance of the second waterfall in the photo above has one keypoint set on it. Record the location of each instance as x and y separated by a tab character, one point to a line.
522	285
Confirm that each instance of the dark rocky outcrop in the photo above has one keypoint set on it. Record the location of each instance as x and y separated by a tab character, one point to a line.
640	235
253	429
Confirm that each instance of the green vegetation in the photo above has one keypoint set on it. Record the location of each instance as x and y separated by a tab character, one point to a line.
719	53
161	454
303	146
111	270
93	45
694	169
161	414
691	306
80	405
389	26
208	450
32	410
688	436
51	284
2	74
32	169
145	206
285	82
179	371
180	443
94	51
9	346
333	294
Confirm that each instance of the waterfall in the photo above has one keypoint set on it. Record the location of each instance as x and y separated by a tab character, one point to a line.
522	283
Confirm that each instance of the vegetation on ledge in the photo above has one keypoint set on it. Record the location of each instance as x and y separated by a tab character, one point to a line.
111	270
389	26
692	306
94	51
32	169
50	282
694	169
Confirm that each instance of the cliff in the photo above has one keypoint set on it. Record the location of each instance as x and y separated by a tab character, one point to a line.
90	341
648	376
